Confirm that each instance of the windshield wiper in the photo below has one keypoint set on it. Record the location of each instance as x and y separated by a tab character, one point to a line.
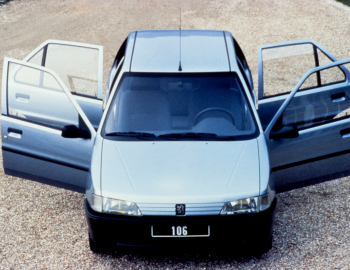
188	134
228	138
194	135
131	134
191	135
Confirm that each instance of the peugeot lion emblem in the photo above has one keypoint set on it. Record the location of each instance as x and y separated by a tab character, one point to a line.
180	209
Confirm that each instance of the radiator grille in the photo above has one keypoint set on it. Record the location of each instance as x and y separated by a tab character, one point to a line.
168	209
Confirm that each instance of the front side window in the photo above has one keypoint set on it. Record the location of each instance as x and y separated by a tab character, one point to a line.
76	66
330	102
180	106
36	96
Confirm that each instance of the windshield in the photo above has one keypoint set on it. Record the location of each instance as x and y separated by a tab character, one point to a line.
180	106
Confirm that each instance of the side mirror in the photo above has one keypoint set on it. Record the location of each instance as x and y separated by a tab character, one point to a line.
72	131
288	131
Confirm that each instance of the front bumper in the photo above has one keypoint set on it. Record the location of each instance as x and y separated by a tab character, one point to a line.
113	230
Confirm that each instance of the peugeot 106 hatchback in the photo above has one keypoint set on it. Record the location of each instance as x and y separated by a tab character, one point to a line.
179	152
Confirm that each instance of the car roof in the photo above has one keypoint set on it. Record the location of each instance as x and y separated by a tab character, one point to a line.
162	50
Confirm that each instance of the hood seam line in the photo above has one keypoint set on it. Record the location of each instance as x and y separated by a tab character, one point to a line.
127	172
234	168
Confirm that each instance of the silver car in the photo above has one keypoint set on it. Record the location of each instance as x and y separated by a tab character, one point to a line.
177	153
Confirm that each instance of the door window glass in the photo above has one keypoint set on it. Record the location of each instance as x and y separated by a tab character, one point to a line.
284	66
36	96
332	75
327	76
323	59
310	82
76	66
37	58
318	107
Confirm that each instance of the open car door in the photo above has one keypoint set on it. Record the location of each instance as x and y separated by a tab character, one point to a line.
280	67
309	137
46	136
80	67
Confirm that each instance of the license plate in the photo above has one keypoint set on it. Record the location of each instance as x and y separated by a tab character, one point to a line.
180	231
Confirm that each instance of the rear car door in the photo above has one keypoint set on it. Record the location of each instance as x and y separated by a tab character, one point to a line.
36	110
280	67
309	137
80	66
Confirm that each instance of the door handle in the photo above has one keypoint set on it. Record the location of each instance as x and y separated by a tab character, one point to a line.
345	133
14	133
22	98
338	97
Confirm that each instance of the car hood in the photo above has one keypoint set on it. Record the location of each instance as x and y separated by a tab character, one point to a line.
179	171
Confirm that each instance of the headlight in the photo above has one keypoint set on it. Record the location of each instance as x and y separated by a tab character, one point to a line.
113	206
248	205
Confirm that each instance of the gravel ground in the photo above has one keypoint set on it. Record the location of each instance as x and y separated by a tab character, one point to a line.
44	227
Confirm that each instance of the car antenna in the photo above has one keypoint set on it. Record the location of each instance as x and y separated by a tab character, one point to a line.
180	68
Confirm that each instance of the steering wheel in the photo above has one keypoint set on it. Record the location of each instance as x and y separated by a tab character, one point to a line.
214	109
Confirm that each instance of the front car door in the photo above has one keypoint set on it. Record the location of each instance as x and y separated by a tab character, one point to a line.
36	107
316	110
